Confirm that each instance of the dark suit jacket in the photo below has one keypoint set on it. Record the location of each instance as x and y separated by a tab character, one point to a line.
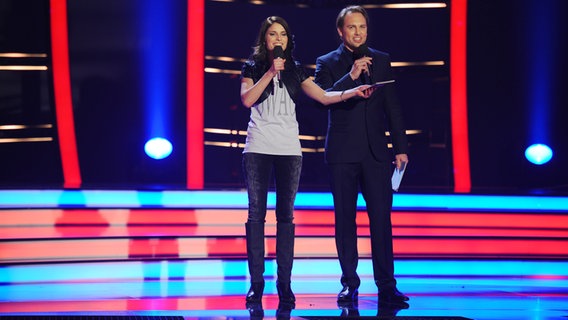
357	124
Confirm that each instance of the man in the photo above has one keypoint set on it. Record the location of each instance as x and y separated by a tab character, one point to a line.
357	153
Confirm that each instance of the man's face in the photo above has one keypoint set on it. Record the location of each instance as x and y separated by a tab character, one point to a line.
354	30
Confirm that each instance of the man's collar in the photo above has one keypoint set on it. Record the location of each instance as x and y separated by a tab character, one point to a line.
345	52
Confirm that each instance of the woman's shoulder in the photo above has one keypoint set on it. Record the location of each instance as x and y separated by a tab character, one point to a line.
252	69
252	63
249	63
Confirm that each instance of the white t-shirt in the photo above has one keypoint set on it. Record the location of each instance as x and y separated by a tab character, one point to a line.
273	128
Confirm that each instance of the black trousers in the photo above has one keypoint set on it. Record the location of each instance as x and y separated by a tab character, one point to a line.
372	178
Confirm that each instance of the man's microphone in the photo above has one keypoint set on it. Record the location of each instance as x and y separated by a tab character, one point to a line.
360	52
278	53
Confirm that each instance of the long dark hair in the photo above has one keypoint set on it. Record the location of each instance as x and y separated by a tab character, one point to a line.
260	54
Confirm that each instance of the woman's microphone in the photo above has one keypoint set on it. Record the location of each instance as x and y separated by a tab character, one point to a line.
278	53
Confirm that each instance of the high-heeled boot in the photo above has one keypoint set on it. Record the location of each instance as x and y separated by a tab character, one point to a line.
284	259
255	292
256	312
255	256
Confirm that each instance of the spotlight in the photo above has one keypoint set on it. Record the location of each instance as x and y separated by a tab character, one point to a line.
538	153
158	148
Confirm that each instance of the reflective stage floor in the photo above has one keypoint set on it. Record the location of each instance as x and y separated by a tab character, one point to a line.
183	289
180	254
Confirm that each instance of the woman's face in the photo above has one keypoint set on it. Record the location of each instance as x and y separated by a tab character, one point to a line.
276	36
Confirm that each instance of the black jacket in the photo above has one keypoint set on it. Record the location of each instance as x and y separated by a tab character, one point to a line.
292	77
359	124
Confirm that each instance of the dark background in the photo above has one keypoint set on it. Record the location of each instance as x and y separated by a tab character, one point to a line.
107	45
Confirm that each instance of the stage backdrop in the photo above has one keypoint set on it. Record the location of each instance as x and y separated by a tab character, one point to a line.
128	78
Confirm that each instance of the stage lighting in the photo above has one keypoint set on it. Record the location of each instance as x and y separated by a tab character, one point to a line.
158	148
538	153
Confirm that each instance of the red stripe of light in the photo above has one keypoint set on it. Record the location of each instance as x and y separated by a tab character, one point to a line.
62	91
458	85
195	67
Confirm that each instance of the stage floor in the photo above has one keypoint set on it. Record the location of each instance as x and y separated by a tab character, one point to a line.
91	254
177	288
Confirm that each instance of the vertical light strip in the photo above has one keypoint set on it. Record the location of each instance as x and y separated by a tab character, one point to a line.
541	34
62	92
458	92
195	71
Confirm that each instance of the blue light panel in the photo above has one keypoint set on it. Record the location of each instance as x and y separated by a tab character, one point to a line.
239	200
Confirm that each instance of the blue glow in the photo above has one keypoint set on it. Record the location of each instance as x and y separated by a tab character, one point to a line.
538	153
158	33
541	24
158	148
239	200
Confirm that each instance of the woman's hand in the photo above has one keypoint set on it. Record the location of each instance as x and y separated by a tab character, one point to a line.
364	91
277	66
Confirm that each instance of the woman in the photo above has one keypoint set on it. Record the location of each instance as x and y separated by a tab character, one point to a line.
270	86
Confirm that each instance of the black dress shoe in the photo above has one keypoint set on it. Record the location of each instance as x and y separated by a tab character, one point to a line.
392	295
348	294
255	292
392	298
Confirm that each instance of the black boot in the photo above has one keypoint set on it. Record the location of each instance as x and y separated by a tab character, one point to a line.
255	292
284	259
285	293
255	256
284	311
255	310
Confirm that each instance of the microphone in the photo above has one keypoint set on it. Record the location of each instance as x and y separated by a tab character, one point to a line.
278	53
360	52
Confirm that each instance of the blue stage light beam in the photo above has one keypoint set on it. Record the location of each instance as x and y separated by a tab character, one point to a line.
158	36
542	36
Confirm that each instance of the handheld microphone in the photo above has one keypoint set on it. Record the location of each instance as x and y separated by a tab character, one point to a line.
360	52
278	53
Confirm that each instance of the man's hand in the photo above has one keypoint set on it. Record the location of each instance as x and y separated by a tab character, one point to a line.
399	159
359	66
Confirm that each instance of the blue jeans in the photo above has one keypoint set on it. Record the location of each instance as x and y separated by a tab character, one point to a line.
257	169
